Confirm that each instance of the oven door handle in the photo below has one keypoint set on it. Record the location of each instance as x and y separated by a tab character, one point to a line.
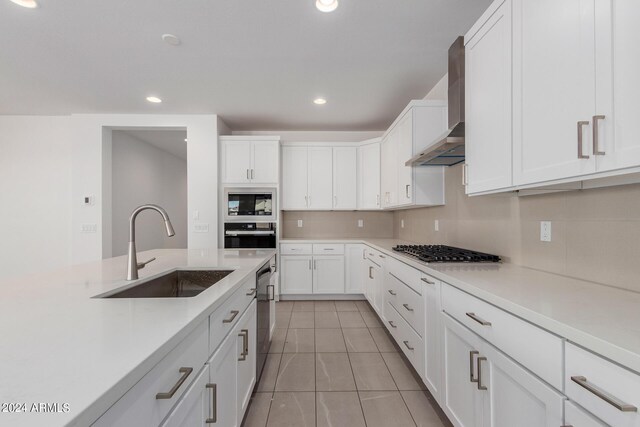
249	233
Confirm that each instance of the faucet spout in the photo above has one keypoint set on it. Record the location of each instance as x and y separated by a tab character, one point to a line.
132	263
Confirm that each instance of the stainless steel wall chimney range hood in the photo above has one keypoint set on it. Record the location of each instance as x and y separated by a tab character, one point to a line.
448	148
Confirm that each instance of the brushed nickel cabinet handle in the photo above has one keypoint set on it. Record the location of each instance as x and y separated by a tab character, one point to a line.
392	293
315	265
248	174
214	404
168	395
406	190
393	325
234	313
610	399
479	366
566	425
252	174
246	342
370	272
407	307
364	254
478	319
471	357
309	264
581	124
406	343
382	256
596	142
244	333
251	291
377	200
425	280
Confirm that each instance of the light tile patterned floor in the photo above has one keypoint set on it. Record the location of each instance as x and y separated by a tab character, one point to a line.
333	364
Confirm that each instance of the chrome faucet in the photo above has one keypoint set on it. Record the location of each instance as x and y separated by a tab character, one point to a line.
132	264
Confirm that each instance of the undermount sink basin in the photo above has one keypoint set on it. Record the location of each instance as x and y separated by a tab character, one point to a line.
177	284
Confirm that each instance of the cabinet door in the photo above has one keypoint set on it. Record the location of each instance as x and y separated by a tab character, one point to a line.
369	281
617	85
223	376
389	170
194	408
345	177
295	275
433	337
405	152
236	161
294	178
355	269
245	333
369	176
513	396
264	161
377	285
578	417
554	88
328	274
488	95
462	401
320	178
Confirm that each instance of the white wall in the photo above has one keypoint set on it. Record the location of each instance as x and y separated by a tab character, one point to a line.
142	173
35	194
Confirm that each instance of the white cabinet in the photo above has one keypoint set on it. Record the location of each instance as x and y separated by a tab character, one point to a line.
488	94
246	346
432	335
578	417
249	160
194	408
373	286
224	384
328	274
345	176
355	268
296	274
294	178
404	152
320	183
389	170
369	176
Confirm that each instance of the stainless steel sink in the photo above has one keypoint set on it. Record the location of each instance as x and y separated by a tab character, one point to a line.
177	284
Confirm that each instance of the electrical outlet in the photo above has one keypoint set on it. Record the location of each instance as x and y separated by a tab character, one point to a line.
436	225
402	223
545	231
89	228
88	200
201	228
360	223
299	223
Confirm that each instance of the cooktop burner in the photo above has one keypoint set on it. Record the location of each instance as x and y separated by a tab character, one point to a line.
442	253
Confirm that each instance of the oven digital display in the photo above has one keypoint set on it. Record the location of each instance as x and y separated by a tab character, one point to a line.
245	204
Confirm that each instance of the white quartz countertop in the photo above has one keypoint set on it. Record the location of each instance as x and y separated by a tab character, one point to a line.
603	319
60	345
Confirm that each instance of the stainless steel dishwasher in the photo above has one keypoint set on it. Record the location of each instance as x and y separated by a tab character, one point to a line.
266	304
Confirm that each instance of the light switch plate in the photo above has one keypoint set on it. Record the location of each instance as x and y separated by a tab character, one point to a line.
89	228
201	228
436	225
402	223
545	231
360	223
299	223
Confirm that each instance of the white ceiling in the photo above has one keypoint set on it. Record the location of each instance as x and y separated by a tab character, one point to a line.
171	141
257	63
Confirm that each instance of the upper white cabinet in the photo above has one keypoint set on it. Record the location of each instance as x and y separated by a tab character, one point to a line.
488	101
249	160
402	186
369	176
294	178
320	183
345	176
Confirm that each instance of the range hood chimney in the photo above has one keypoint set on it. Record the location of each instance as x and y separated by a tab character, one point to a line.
448	148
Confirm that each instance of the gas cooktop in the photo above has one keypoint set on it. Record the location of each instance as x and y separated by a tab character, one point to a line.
442	253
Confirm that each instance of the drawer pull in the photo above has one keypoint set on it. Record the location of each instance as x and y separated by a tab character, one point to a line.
328	249
471	354
370	272
611	400
479	361
392	293
425	280
478	319
382	256
185	373
406	343
393	325
251	291
244	333
214	404
407	307
234	313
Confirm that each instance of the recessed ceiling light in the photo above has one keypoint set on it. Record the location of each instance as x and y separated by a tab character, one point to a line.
171	39
319	101
31	4
327	5
154	99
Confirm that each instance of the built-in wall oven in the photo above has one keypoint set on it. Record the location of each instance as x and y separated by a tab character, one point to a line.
250	204
249	235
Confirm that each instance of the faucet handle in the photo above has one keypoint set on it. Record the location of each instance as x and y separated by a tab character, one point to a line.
143	264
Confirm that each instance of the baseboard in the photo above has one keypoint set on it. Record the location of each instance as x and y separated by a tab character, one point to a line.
320	297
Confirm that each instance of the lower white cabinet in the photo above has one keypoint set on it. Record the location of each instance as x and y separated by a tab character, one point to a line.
194	408
328	274
483	387
432	335
355	268
320	273
578	417
223	383
373	286
296	274
246	369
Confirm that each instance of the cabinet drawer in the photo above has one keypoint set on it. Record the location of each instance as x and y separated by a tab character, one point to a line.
578	417
538	350
296	249
408	303
411	343
222	321
608	391
406	274
328	249
141	405
375	256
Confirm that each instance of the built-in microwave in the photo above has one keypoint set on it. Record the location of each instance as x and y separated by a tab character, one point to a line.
250	204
